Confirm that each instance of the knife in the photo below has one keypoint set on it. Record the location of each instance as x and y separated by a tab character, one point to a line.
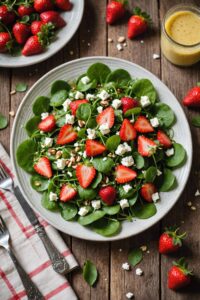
58	261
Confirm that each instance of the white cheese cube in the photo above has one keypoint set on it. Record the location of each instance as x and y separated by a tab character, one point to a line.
100	109
79	95
44	115
169	152
69	119
53	196
144	101
90	96
154	122
155	197
159	172
103	95
85	79
138	272
116	103
127	188
96	204
91	133
48	142
61	163
66	104
83	211
126	266
127	161
104	128
124	203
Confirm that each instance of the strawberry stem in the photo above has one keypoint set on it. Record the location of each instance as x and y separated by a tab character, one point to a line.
138	12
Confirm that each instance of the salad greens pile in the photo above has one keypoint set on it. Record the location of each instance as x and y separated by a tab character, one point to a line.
100	87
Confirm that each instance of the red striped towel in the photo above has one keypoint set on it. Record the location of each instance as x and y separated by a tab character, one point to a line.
30	252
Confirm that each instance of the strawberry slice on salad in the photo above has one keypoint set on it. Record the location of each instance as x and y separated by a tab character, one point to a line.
127	131
147	190
128	103
124	174
43	167
67	193
107	116
143	125
66	135
85	174
146	147
75	104
163	138
94	148
48	124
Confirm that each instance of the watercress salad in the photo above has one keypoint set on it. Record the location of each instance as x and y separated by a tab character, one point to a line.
100	149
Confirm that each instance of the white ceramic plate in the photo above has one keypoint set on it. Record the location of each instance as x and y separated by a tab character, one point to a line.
72	70
63	36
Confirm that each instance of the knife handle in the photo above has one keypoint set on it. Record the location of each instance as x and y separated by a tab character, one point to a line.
59	263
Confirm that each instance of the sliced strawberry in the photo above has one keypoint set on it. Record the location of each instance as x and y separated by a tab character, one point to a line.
127	131
147	190
43	167
164	139
94	148
124	174
85	175
48	124
146	147
67	193
108	194
75	104
128	103
107	116
66	135
143	125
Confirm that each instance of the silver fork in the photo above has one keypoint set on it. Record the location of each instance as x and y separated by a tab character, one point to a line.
58	261
32	291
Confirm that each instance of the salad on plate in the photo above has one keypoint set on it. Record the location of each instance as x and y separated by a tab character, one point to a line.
101	149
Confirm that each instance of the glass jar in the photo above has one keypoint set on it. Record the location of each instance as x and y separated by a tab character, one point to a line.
180	36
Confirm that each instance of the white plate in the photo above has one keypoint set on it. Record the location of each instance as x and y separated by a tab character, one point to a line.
63	36
72	70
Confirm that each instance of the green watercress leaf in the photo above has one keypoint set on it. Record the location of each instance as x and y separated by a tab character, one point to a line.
83	112
178	158
32	125
21	87
113	142
25	155
165	114
112	210
41	104
126	195
58	98
119	76
86	194
144	211
46	203
103	166
90	273
97	180
168	181
139	160
135	256
150	174
92	217
39	183
59	85
132	111
69	211
98	72
106	227
3	121
196	121
85	87
144	87
133	199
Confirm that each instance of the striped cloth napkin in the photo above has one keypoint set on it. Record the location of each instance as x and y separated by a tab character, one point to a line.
30	252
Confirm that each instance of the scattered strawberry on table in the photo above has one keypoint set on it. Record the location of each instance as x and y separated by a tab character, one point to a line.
115	11
179	275
138	23
30	26
170	240
192	98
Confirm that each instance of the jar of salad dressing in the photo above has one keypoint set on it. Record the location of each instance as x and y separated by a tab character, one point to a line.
180	37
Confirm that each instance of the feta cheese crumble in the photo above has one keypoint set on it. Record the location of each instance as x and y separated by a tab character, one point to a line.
79	95
66	104
119	47
169	152
53	196
83	211
156	56
69	119
103	95
122	149
44	115
96	204
144	101
197	193
124	203
126	266
159	172
61	163
127	188
129	295
85	79
116	103
48	142
154	122
91	134
127	161
104	128
155	197
69	173
100	109
138	272
84	154
90	96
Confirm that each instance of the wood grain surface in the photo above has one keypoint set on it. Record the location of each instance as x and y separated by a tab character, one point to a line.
91	40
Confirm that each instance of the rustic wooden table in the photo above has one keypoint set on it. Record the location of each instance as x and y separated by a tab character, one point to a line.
114	283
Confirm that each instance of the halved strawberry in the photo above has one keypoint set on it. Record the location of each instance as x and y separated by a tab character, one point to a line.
48	124
66	135
108	194
75	104
67	193
146	147
143	125
164	139
127	131
94	148
43	167
107	116
147	190
85	174
124	174
128	103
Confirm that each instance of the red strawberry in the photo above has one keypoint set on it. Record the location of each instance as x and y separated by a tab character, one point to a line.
4	39
43	5
25	10
127	131
36	27
53	17
43	167
146	147
21	32
33	46
170	241
67	193
128	103
75	104
179	276
85	175
192	98
107	116
143	125
108	194
48	124
164	139
94	148
115	10
124	174
6	16
138	23
66	135
65	5
147	190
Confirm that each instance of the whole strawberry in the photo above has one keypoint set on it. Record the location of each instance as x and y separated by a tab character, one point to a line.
4	39
179	276
36	26
25	10
43	5
64	5
192	98
128	103
138	23
53	17
108	194
115	11
170	241
21	32
7	16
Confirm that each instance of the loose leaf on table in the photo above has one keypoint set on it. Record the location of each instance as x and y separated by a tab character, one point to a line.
144	87
90	273
135	256
178	158
59	85
3	121
98	72
41	104
32	125
21	87
103	166
83	112
58	98
119	76
25	155
106	227
113	142
196	121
